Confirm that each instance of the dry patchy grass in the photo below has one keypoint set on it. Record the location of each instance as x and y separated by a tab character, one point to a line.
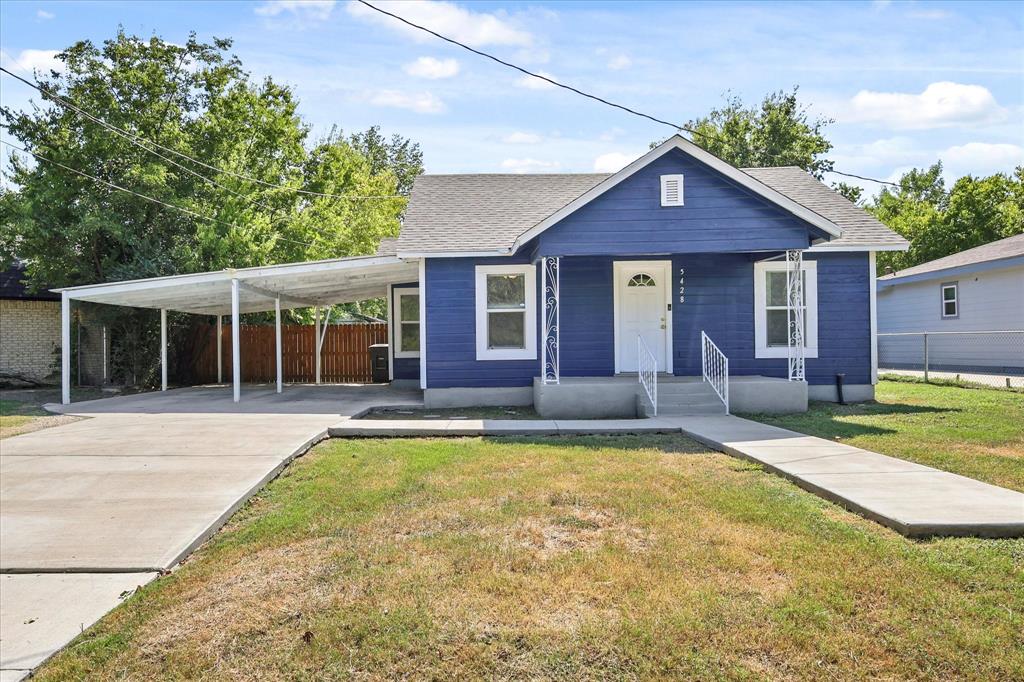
624	557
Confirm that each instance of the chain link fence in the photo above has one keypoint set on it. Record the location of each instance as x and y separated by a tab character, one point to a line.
988	358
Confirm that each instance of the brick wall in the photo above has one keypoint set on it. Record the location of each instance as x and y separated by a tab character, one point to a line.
29	332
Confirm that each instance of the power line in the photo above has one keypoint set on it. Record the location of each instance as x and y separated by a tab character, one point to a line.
141	196
576	90
145	144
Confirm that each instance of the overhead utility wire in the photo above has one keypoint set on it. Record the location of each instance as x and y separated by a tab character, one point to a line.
146	145
141	196
576	90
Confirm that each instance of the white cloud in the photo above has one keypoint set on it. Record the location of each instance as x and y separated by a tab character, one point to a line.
477	29
44	15
614	161
981	158
529	165
30	61
520	137
420	102
428	67
940	105
312	9
536	83
620	62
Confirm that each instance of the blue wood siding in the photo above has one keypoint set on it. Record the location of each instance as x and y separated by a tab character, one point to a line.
451	329
718	216
719	300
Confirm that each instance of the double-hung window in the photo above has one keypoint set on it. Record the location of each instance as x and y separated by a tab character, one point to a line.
407	323
950	300
506	312
772	311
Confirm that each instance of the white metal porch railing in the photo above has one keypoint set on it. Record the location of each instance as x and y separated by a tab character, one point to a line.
647	370
715	368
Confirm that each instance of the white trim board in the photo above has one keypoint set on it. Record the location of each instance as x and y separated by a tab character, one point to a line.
397	292
529	350
761	347
666	266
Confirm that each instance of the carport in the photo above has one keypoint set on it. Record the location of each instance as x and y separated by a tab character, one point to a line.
313	284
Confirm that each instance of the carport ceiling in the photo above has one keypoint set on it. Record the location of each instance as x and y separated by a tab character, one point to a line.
299	285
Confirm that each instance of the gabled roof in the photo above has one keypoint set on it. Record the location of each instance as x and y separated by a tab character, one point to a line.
482	213
1011	247
12	286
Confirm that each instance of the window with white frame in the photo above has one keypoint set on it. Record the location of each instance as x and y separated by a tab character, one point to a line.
407	323
772	310
950	300
506	312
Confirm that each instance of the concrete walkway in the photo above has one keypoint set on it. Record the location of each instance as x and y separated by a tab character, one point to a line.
91	509
913	499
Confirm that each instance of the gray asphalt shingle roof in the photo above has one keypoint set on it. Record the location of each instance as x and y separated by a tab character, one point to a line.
487	212
998	250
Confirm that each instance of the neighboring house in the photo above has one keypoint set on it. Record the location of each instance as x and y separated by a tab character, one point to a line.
569	291
29	327
977	290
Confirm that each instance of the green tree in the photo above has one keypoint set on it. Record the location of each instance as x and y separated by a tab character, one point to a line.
197	100
398	155
779	132
852	192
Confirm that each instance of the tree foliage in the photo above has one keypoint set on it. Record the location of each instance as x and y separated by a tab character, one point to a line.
778	132
938	223
196	100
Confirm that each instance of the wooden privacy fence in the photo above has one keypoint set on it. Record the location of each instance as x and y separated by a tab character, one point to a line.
344	358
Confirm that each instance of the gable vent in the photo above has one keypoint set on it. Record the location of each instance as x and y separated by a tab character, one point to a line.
671	190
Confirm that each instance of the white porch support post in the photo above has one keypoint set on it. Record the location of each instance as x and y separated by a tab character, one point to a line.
549	353
277	339
65	348
220	348
795	313
316	324
163	349
236	360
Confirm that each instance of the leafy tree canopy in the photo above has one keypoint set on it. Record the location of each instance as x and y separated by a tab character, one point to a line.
198	101
779	132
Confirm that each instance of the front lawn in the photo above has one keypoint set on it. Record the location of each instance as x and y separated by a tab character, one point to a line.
21	409
598	557
975	432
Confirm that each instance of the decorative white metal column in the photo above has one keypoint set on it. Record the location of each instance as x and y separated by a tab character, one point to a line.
163	349
795	313
549	353
236	348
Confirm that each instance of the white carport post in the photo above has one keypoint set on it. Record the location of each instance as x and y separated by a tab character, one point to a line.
65	348
220	348
316	343
163	349
277	339
236	363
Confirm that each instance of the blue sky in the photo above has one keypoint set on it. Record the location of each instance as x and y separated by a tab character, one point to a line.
906	82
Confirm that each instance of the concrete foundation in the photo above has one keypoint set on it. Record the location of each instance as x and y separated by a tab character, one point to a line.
767	395
436	398
586	398
853	393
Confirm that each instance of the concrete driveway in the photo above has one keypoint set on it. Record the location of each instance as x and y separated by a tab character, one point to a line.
135	488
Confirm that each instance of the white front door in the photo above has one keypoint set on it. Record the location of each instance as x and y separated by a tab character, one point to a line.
641	309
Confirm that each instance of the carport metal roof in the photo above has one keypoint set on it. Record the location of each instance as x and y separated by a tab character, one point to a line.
298	285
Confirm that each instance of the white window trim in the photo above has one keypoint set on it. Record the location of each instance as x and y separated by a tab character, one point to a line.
396	307
761	347
529	352
955	286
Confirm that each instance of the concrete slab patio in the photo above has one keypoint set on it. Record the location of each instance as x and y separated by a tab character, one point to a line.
136	487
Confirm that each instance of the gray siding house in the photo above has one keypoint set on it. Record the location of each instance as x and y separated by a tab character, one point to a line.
953	299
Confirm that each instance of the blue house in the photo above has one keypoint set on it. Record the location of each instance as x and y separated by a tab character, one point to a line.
678	285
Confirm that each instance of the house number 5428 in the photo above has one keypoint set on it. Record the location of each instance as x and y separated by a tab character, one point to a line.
682	282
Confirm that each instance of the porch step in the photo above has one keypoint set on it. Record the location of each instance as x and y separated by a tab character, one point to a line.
688	398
